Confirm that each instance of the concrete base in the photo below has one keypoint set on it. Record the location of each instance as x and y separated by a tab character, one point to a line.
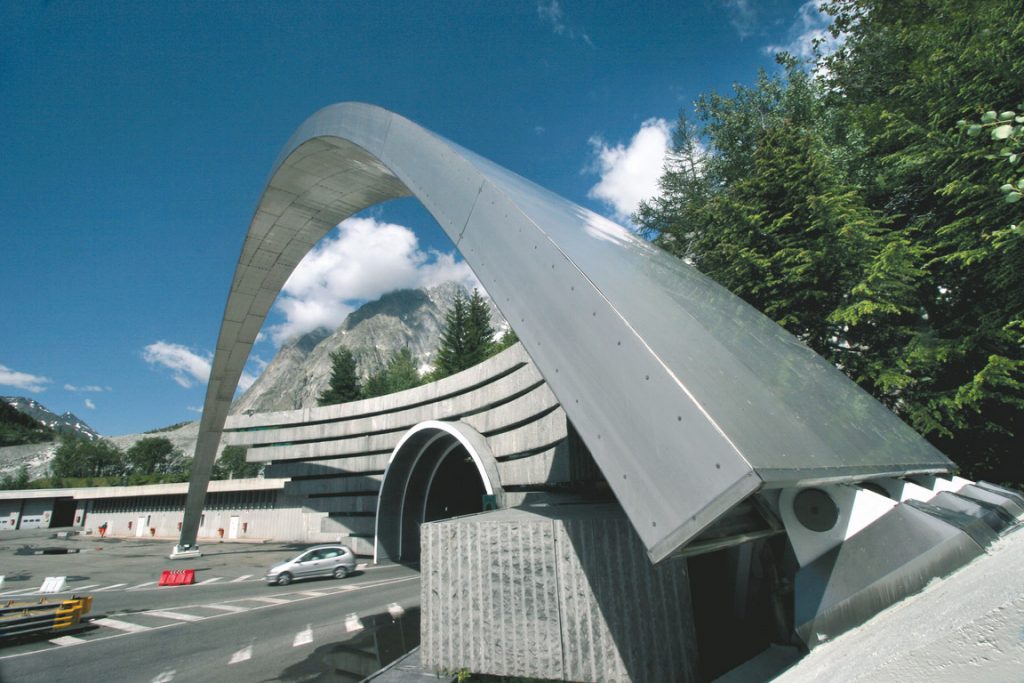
179	553
560	592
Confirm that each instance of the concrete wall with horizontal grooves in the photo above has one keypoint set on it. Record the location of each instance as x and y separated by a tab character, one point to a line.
567	591
443	391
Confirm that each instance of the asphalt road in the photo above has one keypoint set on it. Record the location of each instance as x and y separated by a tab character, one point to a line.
229	627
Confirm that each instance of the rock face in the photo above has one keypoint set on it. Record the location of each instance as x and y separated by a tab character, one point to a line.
408	318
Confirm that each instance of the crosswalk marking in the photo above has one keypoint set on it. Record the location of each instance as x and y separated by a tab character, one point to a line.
84	588
203	583
68	640
353	623
303	637
242	655
313	594
174	615
107	588
143	585
20	591
241	578
228	608
272	601
121	625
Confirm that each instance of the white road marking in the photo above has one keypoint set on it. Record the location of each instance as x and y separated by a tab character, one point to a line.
241	578
20	591
228	608
75	589
68	640
174	615
303	637
165	676
312	594
107	588
272	601
242	655
353	623
143	585
203	583
121	625
395	610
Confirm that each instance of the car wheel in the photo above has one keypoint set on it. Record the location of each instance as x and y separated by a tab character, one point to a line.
284	579
340	573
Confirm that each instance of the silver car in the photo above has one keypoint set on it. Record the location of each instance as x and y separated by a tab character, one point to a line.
323	560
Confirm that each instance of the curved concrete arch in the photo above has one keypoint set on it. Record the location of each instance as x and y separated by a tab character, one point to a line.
688	398
432	441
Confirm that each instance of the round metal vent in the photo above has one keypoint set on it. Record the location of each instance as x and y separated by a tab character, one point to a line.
815	509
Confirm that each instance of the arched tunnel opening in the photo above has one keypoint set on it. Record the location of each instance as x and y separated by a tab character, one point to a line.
435	473
455	488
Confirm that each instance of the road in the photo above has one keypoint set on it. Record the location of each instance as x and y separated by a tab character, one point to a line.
232	627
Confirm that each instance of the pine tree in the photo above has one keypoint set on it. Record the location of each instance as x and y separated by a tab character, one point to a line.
468	336
344	384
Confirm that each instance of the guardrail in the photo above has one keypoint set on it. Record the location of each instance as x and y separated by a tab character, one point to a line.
21	617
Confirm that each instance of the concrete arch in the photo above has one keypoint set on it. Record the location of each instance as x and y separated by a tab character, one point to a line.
689	399
409	479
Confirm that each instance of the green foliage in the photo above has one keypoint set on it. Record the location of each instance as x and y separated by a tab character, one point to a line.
151	455
232	464
400	373
859	211
77	457
17	428
468	337
19	481
344	384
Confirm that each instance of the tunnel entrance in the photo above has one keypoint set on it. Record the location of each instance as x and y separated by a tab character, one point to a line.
455	488
438	470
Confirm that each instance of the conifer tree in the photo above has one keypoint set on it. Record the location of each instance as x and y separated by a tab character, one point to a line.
344	384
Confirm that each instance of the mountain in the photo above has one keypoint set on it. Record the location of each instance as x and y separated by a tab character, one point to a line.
407	318
68	423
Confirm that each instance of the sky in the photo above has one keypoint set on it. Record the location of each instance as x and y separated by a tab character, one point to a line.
136	138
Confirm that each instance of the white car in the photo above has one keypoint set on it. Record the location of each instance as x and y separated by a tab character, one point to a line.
323	560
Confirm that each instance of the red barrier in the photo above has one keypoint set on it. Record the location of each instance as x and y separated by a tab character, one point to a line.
178	577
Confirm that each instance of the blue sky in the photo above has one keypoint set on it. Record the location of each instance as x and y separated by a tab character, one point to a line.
136	138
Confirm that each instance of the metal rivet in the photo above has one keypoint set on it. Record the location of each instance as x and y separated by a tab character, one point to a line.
718	466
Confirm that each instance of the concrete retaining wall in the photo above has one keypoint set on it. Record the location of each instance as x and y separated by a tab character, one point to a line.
553	592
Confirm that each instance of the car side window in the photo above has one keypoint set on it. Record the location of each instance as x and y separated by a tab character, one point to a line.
311	555
330	552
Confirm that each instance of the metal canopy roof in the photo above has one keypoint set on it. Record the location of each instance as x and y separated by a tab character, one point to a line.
689	399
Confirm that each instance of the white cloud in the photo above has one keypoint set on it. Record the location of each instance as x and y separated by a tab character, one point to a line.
361	260
195	409
23	380
187	366
551	13
809	26
743	17
89	404
90	388
630	173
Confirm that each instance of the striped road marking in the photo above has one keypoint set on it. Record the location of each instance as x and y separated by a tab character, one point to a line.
175	615
84	588
303	637
121	625
241	578
203	583
227	608
272	601
68	640
242	655
21	591
143	585
108	588
312	594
